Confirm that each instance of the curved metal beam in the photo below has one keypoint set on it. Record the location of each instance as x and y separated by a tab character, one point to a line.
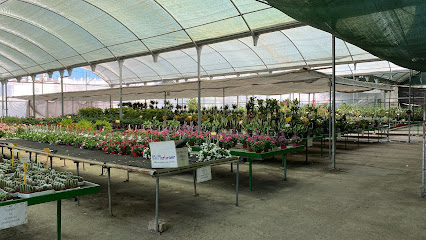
255	54
14	62
241	15
13	48
125	26
102	73
79	26
295	47
7	71
222	57
29	41
196	62
139	61
49	33
171	15
172	66
124	66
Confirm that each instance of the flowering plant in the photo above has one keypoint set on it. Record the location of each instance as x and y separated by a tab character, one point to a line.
211	152
257	146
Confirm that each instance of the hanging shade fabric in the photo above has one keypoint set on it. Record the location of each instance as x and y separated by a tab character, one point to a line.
393	30
302	81
295	48
41	36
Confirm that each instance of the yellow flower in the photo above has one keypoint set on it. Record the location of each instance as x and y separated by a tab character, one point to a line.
326	114
288	119
305	119
358	113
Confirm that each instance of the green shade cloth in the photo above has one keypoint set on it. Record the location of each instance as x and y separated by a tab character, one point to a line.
394	30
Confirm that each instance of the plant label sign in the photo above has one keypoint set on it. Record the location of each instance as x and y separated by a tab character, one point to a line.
166	155
310	142
204	174
13	215
25	160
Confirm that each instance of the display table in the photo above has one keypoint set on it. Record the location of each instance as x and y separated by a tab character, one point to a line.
128	163
86	189
241	152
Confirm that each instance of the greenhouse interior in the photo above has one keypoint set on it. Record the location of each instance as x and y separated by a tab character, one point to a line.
264	119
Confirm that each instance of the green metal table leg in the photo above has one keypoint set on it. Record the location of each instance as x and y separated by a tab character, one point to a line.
284	157
306	152
58	217
346	139
250	173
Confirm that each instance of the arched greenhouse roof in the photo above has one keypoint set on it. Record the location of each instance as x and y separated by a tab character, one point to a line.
237	37
40	36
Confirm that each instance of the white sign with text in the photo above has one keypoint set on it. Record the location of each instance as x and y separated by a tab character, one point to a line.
166	155
204	174
13	215
310	142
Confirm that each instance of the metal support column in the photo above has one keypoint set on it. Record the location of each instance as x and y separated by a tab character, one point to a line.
109	191
409	108
33	77
157	190
2	98
61	72
165	110
120	66
199	86
284	164
77	164
423	193
194	175
333	114
58	219
237	182
5	95
329	122
223	100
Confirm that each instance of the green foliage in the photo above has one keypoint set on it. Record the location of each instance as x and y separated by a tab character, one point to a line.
105	124
66	122
90	112
84	124
192	104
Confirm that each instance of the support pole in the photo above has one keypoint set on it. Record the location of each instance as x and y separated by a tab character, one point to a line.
77	164
33	77
389	100
329	121
237	182
120	66
2	98
424	142
5	94
157	190
199	86
238	104
409	108
165	110
109	192
58	219
333	123
194	175
223	100
62	92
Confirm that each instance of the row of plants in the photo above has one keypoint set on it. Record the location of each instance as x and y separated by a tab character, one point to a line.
260	117
16	182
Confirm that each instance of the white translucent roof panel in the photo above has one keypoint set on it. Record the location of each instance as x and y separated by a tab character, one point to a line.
365	68
288	49
64	34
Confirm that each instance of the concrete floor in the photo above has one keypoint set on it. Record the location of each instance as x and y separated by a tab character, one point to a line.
374	194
